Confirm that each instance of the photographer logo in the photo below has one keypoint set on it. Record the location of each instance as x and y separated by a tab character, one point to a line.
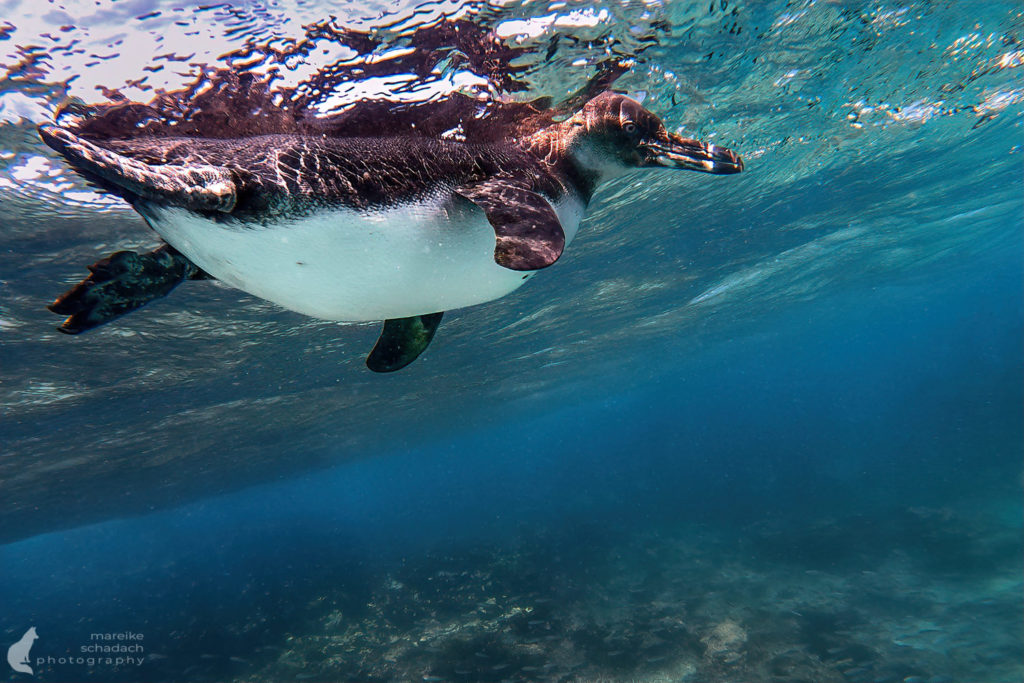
17	654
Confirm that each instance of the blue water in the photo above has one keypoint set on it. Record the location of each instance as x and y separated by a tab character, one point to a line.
763	431
855	409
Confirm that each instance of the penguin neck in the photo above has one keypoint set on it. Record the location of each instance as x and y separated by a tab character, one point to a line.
552	146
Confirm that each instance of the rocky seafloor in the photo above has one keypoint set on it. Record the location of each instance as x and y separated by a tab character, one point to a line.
924	595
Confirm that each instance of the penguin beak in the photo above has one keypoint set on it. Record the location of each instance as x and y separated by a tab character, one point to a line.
680	152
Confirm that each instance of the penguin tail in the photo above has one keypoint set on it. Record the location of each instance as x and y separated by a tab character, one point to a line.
196	187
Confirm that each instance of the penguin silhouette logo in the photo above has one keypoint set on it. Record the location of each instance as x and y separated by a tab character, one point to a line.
17	654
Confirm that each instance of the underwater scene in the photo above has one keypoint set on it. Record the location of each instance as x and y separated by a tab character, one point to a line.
564	341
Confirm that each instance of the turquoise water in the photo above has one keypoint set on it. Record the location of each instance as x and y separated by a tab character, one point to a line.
761	427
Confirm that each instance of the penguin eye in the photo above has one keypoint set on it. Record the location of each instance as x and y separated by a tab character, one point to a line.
629	127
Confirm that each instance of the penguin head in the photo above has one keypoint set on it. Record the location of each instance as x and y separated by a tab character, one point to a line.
612	134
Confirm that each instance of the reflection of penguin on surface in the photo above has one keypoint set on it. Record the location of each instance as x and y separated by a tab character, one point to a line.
17	654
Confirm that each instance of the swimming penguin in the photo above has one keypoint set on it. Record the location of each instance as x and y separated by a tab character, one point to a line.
362	228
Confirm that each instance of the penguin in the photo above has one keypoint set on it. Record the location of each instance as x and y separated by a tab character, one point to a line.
395	228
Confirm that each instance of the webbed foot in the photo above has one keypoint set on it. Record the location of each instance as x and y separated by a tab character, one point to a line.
119	284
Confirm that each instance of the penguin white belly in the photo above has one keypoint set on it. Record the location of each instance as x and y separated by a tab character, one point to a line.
357	266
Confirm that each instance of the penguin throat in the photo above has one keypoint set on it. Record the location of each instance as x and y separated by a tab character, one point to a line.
574	157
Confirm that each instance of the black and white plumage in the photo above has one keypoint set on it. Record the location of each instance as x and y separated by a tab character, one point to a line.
363	228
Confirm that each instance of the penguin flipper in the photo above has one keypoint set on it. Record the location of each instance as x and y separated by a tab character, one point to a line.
528	233
402	341
119	284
